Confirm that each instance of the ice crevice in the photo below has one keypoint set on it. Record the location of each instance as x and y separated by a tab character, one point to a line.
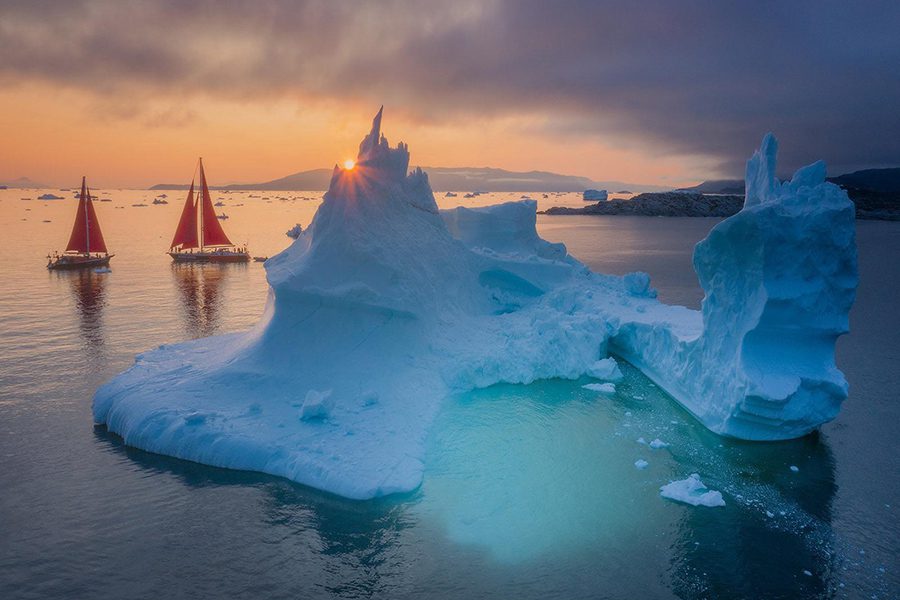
392	305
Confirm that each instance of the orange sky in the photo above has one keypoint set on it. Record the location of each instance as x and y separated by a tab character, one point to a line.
58	135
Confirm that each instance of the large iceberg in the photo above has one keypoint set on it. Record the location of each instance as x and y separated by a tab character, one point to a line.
385	305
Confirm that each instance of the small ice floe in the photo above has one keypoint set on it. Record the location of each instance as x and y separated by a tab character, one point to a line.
606	369
691	491
807	572
317	405
641	440
770	514
102	270
641	464
294	232
795	468
658	443
603	388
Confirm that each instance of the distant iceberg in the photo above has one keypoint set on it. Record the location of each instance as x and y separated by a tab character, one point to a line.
595	195
385	305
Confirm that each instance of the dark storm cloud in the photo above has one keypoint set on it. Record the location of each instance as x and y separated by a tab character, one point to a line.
681	77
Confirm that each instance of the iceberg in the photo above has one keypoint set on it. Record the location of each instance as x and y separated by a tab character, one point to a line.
692	491
385	305
595	195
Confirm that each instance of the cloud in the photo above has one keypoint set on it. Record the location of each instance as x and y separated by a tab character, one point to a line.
688	78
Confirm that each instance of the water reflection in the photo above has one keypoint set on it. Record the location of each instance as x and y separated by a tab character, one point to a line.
775	537
89	295
541	474
199	288
302	540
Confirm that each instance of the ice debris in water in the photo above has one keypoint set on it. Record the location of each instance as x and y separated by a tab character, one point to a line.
603	388
294	232
795	468
641	464
658	443
385	296
691	491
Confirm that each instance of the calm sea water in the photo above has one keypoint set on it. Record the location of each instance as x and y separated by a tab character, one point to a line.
529	491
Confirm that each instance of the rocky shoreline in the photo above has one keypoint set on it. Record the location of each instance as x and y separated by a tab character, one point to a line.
869	205
660	204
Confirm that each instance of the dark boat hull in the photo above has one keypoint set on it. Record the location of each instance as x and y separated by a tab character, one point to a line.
70	262
210	257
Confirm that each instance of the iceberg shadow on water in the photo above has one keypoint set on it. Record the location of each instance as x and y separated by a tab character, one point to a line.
386	306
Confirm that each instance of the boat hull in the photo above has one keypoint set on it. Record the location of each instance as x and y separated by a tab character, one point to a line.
210	257
70	262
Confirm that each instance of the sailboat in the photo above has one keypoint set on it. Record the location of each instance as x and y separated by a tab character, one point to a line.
199	236
86	247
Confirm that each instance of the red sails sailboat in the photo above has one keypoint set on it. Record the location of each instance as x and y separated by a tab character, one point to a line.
199	236
86	247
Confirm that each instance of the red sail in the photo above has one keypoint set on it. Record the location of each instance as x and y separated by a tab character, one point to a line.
86	235
94	235
212	234
186	233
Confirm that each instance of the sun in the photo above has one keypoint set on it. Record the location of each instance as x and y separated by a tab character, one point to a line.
349	164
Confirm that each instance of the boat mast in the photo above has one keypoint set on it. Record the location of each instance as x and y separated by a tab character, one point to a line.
87	222
200	204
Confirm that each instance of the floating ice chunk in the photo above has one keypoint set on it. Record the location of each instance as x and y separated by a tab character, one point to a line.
606	369
795	468
317	405
641	464
658	443
691	491
603	388
641	440
294	232
592	195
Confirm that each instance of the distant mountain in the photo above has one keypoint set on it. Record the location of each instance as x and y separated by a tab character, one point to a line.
486	179
23	183
457	179
717	186
872	180
876	180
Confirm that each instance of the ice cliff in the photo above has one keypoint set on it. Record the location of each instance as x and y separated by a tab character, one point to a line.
385	305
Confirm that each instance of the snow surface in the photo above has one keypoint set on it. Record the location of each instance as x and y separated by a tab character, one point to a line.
391	305
691	491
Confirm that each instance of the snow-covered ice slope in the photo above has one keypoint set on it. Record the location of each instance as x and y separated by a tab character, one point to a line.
385	305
